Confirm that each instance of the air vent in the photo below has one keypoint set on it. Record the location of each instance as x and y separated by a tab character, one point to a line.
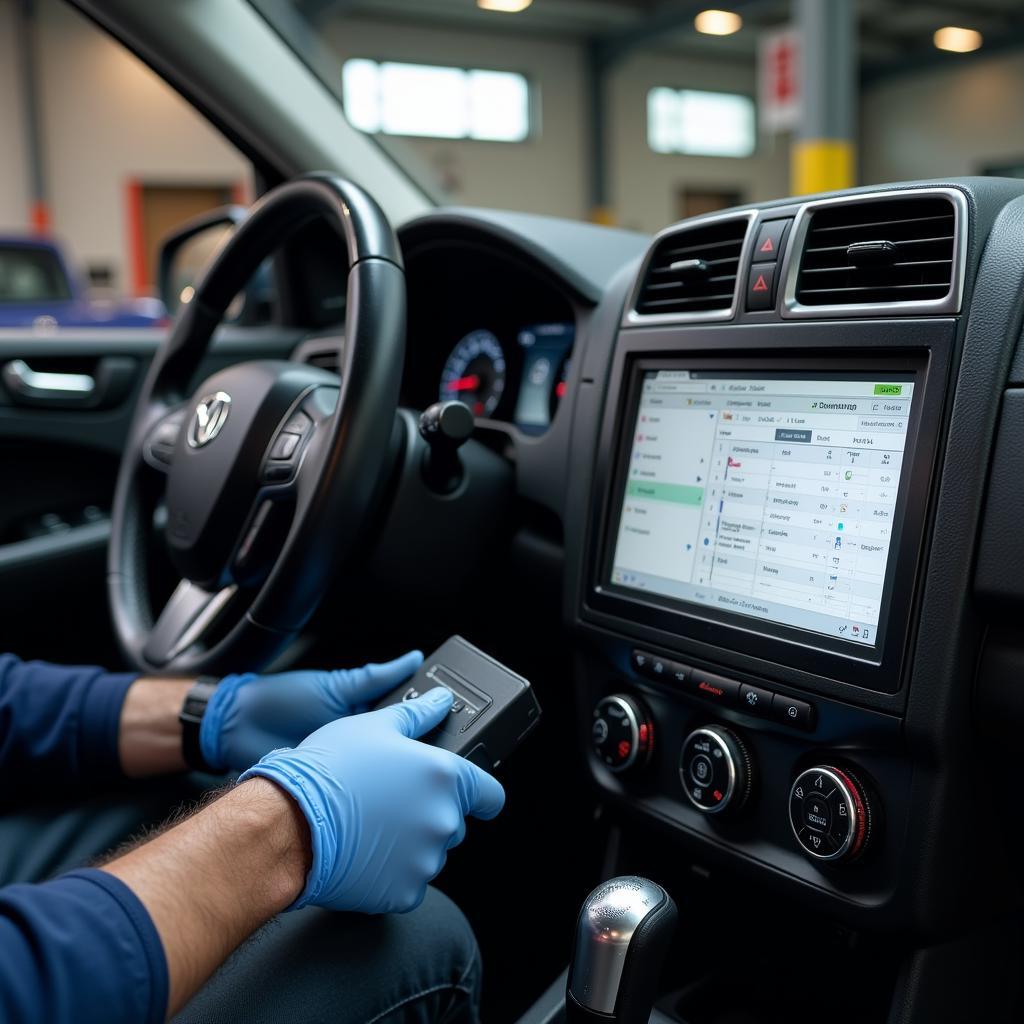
887	250
693	271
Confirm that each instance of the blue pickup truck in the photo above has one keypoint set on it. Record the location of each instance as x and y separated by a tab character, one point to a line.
38	289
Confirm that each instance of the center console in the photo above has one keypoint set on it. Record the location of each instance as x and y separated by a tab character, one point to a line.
763	521
756	533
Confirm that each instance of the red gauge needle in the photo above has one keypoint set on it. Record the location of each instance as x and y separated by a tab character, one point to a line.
470	383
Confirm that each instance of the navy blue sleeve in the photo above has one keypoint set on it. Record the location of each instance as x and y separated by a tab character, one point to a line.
79	949
59	723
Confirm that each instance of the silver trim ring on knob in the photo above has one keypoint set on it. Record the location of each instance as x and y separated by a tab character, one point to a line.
634	728
852	801
730	762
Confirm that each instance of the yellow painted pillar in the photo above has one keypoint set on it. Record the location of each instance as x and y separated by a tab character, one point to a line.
823	157
822	165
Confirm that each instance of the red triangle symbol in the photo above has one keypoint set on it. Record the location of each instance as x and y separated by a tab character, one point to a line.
761	285
767	246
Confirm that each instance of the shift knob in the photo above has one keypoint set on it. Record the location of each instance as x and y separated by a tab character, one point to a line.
622	935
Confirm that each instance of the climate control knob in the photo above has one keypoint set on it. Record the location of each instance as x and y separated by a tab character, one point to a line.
832	813
716	770
621	733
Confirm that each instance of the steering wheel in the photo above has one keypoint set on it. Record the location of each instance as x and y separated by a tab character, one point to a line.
270	469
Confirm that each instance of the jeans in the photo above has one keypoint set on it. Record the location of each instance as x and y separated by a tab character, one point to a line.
309	966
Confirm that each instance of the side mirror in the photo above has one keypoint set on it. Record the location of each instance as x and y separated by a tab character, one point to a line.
185	252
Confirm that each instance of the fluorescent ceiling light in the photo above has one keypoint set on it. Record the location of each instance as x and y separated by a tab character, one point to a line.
507	6
715	23
957	40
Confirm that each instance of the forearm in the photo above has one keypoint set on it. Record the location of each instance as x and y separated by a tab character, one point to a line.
59	723
214	879
149	736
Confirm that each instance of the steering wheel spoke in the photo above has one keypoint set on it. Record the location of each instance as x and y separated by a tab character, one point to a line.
159	444
189	615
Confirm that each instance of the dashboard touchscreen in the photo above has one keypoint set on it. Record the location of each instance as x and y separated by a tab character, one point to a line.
766	496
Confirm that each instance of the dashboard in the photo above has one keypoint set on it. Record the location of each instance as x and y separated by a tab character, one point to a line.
770	547
490	331
783	447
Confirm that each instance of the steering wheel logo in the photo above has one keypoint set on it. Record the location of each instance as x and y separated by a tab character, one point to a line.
209	418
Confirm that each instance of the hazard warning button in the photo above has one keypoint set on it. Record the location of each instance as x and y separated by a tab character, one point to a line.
770	237
761	287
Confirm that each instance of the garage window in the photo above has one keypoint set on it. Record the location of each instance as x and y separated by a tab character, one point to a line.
439	102
700	123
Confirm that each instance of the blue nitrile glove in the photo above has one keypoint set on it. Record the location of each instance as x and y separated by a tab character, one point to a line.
250	715
383	809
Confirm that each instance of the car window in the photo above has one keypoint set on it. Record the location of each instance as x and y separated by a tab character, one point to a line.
101	161
32	273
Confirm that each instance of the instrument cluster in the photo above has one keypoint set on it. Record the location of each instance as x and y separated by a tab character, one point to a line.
489	330
520	380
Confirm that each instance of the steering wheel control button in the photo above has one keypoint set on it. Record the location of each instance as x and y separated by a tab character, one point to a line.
712	688
622	733
761	287
832	813
159	447
298	423
770	237
284	446
756	701
716	770
278	472
790	711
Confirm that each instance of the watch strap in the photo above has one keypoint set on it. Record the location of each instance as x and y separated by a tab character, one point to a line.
191	718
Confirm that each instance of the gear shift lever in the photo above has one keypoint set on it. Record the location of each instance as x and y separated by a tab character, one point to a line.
622	936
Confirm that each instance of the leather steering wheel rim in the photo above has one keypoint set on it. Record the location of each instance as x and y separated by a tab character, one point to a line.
337	482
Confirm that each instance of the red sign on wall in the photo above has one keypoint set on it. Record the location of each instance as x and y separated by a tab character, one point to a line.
778	80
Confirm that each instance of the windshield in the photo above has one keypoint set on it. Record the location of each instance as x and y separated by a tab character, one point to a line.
31	274
640	113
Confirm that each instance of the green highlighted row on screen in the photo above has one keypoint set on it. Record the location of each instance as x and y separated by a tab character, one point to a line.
888	389
681	494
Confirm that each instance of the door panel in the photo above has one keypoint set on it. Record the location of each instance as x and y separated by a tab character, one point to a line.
58	466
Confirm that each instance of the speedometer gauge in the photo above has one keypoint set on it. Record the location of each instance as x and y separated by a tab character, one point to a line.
475	373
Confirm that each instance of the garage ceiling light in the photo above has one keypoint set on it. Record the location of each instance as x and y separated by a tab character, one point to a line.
718	23
957	40
507	6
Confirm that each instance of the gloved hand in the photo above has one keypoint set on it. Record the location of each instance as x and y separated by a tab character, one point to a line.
383	809
249	715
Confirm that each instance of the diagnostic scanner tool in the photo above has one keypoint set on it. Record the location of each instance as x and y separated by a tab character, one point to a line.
493	708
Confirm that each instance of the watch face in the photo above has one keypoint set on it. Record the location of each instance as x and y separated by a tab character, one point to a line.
191	717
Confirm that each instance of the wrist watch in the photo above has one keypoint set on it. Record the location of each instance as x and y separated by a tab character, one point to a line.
191	718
